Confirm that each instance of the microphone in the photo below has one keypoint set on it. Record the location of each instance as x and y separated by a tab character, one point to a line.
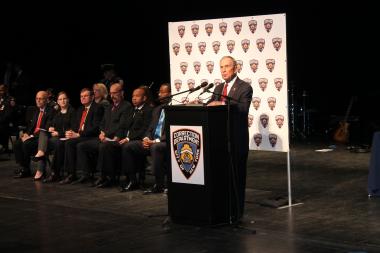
204	84
198	87
150	86
207	88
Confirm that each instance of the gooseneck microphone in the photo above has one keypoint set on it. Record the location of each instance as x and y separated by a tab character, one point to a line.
207	88
198	87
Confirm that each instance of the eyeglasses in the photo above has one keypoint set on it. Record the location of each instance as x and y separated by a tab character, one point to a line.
115	93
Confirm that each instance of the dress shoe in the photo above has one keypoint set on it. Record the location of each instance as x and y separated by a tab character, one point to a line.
23	173
81	180
104	184
99	181
38	178
68	180
17	171
38	158
130	187
50	179
155	189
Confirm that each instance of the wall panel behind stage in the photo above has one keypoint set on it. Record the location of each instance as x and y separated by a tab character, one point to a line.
258	43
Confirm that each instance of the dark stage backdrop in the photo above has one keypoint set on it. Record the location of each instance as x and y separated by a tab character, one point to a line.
63	46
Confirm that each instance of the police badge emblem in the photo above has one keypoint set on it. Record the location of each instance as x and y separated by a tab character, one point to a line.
187	149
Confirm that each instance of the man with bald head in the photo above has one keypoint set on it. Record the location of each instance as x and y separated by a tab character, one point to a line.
27	145
152	142
107	162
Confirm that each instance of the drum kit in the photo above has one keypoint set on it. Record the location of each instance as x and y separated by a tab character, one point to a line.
299	114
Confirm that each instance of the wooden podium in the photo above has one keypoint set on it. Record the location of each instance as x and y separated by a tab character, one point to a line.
207	202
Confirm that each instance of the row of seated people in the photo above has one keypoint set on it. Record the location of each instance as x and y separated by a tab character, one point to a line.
12	113
112	139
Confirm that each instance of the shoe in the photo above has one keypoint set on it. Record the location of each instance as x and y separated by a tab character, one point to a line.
99	181
81	180
104	184
155	189
50	179
23	173
68	180
130	187
39	178
37	159
18	170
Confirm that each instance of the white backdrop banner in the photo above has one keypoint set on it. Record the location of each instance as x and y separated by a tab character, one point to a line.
258	43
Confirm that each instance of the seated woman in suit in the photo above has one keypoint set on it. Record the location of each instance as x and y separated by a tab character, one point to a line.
53	138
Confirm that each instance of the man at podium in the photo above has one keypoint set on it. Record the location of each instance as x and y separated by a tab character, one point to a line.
239	94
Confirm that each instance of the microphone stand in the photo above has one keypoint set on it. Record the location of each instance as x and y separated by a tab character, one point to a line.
232	167
173	95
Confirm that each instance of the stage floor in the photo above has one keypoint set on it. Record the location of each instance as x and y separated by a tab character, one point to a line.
334	213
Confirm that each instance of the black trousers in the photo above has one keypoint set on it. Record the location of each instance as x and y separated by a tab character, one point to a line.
238	180
109	159
70	163
57	148
133	152
87	153
24	150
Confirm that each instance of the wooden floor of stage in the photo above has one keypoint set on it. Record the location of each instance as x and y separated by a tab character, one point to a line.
334	213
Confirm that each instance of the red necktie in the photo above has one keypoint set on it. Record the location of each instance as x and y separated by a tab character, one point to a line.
39	121
223	98
82	120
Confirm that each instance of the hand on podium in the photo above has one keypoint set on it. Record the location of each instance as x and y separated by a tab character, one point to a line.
195	101
216	103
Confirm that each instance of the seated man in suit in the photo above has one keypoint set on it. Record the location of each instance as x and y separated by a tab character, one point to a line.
241	94
27	145
94	149
132	127
89	115
153	143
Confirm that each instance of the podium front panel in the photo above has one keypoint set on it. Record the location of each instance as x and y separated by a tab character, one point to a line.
198	203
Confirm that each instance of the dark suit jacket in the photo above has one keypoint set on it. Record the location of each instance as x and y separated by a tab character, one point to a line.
47	117
136	124
63	122
242	92
91	125
112	120
153	124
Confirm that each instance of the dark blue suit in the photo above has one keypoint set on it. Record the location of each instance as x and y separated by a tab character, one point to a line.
90	130
242	93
